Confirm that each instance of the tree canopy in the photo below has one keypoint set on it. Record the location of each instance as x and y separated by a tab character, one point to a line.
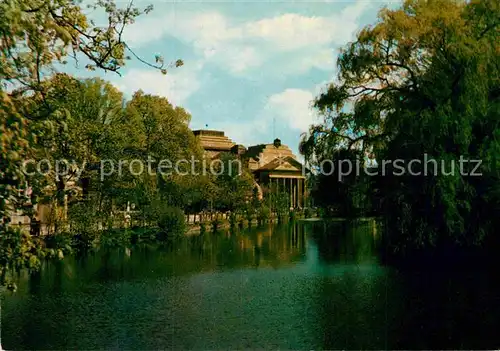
37	38
423	80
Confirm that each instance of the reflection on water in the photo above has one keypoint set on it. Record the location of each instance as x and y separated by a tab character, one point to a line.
300	286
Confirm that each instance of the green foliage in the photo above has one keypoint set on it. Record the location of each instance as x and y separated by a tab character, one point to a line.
233	187
83	218
83	221
203	228
58	116
171	223
279	202
250	212
232	219
216	223
58	245
115	238
308	212
18	250
423	80
263	214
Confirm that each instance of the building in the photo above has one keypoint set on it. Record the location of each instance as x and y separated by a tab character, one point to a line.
214	142
273	165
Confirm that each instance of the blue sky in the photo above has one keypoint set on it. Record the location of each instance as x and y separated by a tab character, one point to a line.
246	63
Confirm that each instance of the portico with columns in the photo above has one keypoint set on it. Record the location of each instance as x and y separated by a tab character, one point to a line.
285	176
273	165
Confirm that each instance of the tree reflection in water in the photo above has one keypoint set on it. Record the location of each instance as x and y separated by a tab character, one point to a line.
314	285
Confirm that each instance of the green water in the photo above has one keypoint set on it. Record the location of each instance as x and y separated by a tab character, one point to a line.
301	286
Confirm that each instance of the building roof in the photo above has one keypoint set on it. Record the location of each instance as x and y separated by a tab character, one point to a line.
268	151
261	157
283	164
214	140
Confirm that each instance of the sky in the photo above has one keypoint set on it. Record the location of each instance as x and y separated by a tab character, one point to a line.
251	68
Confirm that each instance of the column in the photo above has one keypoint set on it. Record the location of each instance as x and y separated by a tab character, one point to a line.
294	203
291	195
299	192
305	191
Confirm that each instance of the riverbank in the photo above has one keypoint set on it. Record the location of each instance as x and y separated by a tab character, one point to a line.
58	245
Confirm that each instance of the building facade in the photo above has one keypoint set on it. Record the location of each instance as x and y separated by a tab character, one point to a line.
272	165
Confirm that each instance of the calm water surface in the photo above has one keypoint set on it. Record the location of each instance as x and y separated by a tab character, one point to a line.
301	286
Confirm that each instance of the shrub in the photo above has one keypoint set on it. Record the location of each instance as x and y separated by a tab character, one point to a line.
18	251
171	223
249	216
58	244
232	219
83	221
139	234
203	227
85	241
264	214
115	237
322	212
216	222
308	212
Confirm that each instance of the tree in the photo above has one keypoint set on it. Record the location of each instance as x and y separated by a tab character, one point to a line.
35	36
83	128
423	80
165	142
234	184
337	189
163	129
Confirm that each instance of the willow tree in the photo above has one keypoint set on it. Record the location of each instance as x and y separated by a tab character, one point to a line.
36	38
422	80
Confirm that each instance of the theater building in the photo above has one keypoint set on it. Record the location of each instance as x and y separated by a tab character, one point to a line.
273	165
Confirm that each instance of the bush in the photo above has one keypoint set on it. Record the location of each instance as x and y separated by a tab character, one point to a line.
85	241
308	212
249	216
171	223
18	251
232	219
83	221
115	238
216	222
322	212
139	234
83	218
58	244
203	227
264	214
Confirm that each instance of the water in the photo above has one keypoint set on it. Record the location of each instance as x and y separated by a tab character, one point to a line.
304	286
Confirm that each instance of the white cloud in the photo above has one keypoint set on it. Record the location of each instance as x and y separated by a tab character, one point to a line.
292	107
249	133
178	85
301	42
